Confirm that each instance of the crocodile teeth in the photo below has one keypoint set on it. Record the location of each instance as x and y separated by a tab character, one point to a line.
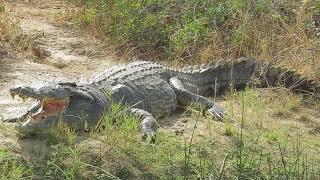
12	95
23	98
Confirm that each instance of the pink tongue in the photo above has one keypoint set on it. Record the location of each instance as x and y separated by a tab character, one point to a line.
38	117
50	108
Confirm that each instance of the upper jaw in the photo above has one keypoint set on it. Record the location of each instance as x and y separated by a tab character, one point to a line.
45	92
24	92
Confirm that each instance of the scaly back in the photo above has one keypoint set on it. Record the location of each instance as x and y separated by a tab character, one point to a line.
223	75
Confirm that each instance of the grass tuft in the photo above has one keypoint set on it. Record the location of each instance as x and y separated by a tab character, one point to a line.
62	134
12	167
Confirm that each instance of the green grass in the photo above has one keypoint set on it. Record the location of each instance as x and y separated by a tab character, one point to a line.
271	151
262	146
61	134
12	167
64	162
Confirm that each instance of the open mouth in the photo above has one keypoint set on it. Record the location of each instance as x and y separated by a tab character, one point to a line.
49	107
44	108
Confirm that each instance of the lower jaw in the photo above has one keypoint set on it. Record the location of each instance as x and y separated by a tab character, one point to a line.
28	128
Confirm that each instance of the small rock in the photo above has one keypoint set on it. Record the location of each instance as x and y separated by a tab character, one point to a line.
178	131
184	120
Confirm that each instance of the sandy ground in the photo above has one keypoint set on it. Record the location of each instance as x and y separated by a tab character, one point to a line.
61	53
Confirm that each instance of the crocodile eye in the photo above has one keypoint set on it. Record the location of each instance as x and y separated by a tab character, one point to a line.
72	84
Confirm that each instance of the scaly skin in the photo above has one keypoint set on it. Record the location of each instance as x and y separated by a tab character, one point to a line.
150	90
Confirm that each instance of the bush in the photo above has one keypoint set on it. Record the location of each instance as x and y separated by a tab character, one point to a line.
205	30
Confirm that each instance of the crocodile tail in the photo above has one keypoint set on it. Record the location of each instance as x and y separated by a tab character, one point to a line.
237	74
273	76
224	75
210	78
231	74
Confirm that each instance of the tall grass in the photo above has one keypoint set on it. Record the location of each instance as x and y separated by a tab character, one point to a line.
202	30
11	33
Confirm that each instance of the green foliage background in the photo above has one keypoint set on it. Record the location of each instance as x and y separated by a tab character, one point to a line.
180	29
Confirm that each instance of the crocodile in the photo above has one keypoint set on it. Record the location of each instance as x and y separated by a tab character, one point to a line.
150	90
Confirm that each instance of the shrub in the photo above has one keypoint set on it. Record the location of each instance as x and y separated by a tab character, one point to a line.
186	29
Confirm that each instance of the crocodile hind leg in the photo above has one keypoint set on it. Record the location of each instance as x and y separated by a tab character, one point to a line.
186	97
148	123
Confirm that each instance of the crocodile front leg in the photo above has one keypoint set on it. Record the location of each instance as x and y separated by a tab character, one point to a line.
148	123
186	97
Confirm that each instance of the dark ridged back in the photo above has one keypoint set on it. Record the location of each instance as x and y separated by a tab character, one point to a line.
206	78
145	87
239	73
134	72
218	77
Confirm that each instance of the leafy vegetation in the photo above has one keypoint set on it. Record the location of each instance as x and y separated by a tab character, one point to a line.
203	30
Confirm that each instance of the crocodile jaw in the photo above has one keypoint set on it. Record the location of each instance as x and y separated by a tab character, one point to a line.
49	107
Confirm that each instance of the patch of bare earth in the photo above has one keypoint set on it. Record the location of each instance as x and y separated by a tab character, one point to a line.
56	52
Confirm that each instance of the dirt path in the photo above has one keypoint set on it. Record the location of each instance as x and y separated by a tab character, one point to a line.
61	52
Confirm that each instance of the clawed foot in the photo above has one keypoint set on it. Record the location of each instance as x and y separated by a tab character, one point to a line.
217	112
151	135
